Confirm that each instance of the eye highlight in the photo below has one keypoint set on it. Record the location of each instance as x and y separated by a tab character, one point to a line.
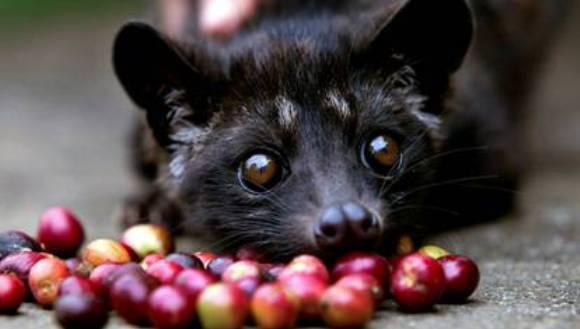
381	153
260	172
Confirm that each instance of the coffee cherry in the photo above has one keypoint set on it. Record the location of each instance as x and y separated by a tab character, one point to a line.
192	282
274	308
218	265
78	285
418	283
249	286
45	278
167	289
147	239
170	308
60	232
306	290
364	283
185	260
101	277
241	270
12	293
222	306
305	264
105	275
20	263
83	269
343	307
129	297
395	260
104	251
205	257
16	241
83	311
271	272
358	262
73	264
127	268
164	271
434	252
132	254
150	260
461	278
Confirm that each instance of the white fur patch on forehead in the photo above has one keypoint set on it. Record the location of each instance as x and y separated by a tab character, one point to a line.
337	103
287	113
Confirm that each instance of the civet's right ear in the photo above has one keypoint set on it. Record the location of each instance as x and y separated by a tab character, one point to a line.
160	80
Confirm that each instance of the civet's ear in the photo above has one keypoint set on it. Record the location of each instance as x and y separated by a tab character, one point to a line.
432	36
160	80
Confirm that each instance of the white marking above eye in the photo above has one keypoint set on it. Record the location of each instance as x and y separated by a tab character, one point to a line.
287	113
337	103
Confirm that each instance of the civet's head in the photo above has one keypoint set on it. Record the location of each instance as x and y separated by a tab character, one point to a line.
299	142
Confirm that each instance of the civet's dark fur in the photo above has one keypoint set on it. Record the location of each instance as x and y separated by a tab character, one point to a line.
209	103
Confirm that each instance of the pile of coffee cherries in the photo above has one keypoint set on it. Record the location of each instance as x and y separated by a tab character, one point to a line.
146	283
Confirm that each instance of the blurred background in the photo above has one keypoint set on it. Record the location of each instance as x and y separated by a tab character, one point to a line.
64	118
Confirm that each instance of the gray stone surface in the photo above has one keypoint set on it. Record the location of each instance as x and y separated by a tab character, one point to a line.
63	120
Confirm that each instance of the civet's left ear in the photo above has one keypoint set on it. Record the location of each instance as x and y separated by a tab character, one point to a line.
432	36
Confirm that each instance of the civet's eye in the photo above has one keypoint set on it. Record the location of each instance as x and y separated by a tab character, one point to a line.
260	172
380	153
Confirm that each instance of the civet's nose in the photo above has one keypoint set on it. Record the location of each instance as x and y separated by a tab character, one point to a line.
346	225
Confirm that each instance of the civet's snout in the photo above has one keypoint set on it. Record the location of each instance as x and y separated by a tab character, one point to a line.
346	226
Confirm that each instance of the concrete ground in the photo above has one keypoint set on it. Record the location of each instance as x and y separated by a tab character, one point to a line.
63	120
